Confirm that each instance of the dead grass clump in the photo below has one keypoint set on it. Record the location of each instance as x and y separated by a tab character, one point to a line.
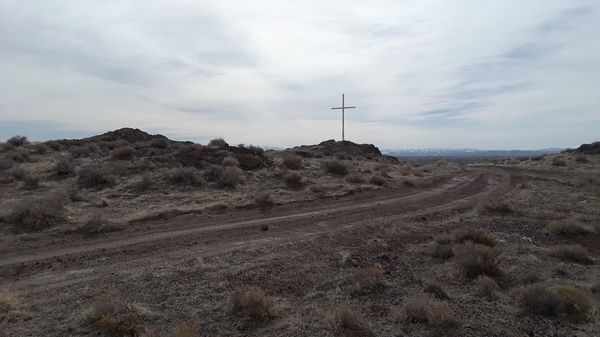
94	177
186	329
435	288
367	278
423	309
575	303
64	166
334	166
377	180
477	259
293	179
442	245
496	208
263	199
7	302
292	161
113	316
17	141
348	322
487	287
123	153
231	177
230	161
40	213
575	253
475	235
18	173
566	227
253	303
355	178
218	142
184	176
546	300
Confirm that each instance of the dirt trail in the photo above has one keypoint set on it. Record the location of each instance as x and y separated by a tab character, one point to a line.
197	236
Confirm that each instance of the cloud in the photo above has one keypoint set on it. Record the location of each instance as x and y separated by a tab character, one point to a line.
420	72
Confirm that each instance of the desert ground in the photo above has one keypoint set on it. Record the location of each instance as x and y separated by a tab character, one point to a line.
131	234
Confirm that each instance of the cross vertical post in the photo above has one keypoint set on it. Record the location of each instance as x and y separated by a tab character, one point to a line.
343	108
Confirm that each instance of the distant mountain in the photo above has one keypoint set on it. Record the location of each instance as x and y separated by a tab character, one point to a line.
461	153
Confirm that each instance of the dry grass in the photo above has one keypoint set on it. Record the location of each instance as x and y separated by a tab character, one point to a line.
442	245
263	199
7	302
435	288
112	316
575	303
292	161
366	279
40	213
123	153
423	309
334	166
487	287
476	259
568	227
574	253
253	303
474	235
496	208
546	300
347	321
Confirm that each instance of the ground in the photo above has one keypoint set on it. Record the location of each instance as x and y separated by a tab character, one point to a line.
321	264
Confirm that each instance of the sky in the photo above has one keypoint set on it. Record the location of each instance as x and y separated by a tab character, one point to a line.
422	73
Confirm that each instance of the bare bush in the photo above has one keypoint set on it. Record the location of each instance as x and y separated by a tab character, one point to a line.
475	235
17	141
40	213
218	142
18	155
355	178
369	278
377	180
263	199
424	309
575	303
293	179
349	322
184	176
230	161
213	173
253	303
123	153
538	299
292	161
477	259
435	288
94	177
575	253
334	166
442	245
232	176
112	316
487	287
64	166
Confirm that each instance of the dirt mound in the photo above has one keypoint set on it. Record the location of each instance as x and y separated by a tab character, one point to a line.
128	134
332	148
593	148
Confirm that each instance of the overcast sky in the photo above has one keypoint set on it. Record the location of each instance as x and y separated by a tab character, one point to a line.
478	74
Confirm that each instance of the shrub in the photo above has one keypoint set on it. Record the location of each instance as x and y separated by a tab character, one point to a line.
31	182
218	142
213	173
230	161
18	173
367	278
184	176
6	163
355	178
442	246
487	287
7	302
477	259
18	155
349	322
232	176
159	143
187	329
39	149
112	316
556	161
566	227
40	213
575	253
496	208
538	299
292	161
64	166
94	177
475	235
377	180
253	303
426	310
263	199
17	141
435	288
250	162
256	150
143	184
123	153
336	167
575	303
408	183
293	179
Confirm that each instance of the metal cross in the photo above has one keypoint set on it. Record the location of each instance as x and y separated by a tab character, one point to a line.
343	107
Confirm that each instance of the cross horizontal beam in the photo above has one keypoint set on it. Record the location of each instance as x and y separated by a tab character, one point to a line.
344	107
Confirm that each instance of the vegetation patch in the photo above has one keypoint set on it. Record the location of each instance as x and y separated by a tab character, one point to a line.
477	259
253	303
